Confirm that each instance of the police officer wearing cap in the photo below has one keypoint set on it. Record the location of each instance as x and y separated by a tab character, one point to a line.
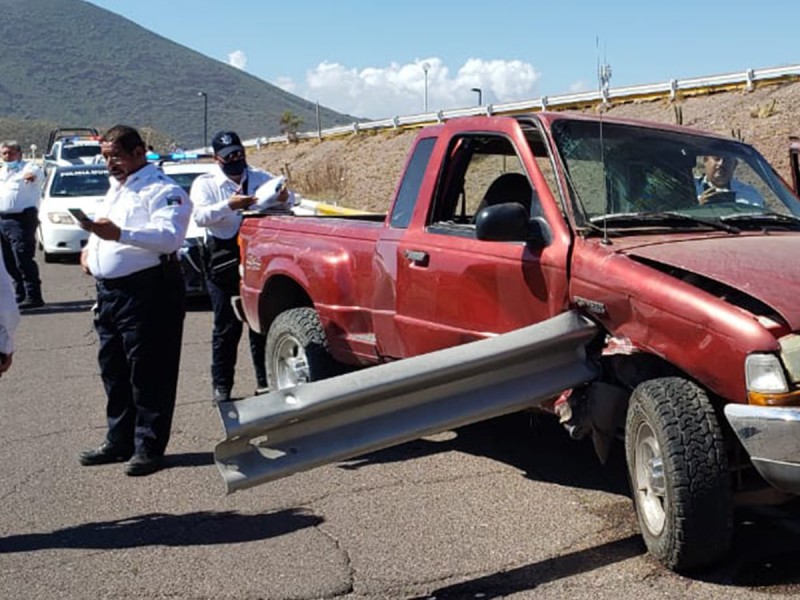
140	309
218	198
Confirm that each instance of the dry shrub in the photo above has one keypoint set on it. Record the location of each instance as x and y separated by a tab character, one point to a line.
764	111
323	180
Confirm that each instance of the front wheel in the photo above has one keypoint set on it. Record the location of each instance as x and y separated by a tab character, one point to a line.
679	473
297	350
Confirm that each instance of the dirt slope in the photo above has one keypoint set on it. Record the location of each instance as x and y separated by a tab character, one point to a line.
361	170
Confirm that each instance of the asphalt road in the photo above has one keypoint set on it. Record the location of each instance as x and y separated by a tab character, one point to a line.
504	509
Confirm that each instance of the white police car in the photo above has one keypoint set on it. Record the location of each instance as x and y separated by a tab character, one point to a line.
68	187
73	146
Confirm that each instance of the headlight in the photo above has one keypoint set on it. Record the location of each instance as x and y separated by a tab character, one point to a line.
764	374
60	218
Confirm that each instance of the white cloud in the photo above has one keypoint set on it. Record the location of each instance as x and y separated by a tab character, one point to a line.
380	92
237	59
579	86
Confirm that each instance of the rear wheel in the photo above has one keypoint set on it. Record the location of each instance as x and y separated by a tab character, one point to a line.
297	350
679	473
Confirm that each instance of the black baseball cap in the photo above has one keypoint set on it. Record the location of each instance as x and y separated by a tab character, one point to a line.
226	143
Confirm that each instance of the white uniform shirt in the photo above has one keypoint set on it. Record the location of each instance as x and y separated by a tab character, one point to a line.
16	194
153	213
210	194
9	313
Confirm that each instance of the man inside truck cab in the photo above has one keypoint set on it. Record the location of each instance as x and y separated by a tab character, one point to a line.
717	184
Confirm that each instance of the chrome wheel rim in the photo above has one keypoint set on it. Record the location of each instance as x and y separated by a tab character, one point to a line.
649	480
290	363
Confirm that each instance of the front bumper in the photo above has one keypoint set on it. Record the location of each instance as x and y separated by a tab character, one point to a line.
771	436
62	239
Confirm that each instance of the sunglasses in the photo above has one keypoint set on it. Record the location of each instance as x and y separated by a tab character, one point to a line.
233	156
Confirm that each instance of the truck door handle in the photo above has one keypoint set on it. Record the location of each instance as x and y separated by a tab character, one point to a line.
417	257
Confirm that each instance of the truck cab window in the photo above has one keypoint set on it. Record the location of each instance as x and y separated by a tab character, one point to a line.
481	170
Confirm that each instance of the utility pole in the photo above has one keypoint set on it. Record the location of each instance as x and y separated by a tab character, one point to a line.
425	67
205	118
480	95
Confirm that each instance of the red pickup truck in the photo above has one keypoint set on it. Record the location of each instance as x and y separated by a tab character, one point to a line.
682	247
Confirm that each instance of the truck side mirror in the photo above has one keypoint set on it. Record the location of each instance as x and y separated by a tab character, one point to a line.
510	222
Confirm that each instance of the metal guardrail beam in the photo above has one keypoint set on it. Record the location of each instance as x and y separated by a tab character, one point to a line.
280	433
697	85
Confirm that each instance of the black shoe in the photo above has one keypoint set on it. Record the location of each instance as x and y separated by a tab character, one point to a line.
104	454
142	464
221	395
28	303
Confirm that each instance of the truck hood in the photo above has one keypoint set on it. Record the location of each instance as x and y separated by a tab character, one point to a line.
766	267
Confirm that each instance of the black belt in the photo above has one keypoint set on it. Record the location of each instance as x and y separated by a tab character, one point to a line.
166	259
117	282
11	215
167	262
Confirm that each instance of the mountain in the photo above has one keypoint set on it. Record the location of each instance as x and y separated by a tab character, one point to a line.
70	63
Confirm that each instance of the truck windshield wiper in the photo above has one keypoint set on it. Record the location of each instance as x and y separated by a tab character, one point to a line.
766	218
665	218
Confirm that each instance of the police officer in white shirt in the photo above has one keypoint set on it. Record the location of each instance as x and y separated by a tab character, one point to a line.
20	190
218	198
9	318
131	252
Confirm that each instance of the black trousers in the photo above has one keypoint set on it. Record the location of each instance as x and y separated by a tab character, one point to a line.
226	334
139	322
18	236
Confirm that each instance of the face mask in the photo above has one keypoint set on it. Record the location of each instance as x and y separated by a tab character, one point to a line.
234	168
13	165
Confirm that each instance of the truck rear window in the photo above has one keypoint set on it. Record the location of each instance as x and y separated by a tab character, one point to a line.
409	186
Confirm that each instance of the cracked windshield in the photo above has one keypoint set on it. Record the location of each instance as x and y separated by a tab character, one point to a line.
632	177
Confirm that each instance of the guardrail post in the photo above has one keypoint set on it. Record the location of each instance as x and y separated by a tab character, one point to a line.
489	110
440	116
750	75
355	127
543	102
396	122
673	89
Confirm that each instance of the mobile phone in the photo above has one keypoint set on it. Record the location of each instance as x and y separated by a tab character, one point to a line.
79	214
721	196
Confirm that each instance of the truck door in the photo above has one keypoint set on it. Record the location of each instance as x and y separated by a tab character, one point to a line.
453	288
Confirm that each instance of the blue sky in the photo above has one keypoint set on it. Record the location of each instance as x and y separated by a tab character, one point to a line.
366	58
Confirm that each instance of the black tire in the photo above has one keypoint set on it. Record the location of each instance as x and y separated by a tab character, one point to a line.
297	350
679	474
49	257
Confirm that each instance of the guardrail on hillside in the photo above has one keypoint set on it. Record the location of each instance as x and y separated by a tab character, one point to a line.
671	89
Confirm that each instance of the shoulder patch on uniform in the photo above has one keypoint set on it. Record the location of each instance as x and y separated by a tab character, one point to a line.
174	200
